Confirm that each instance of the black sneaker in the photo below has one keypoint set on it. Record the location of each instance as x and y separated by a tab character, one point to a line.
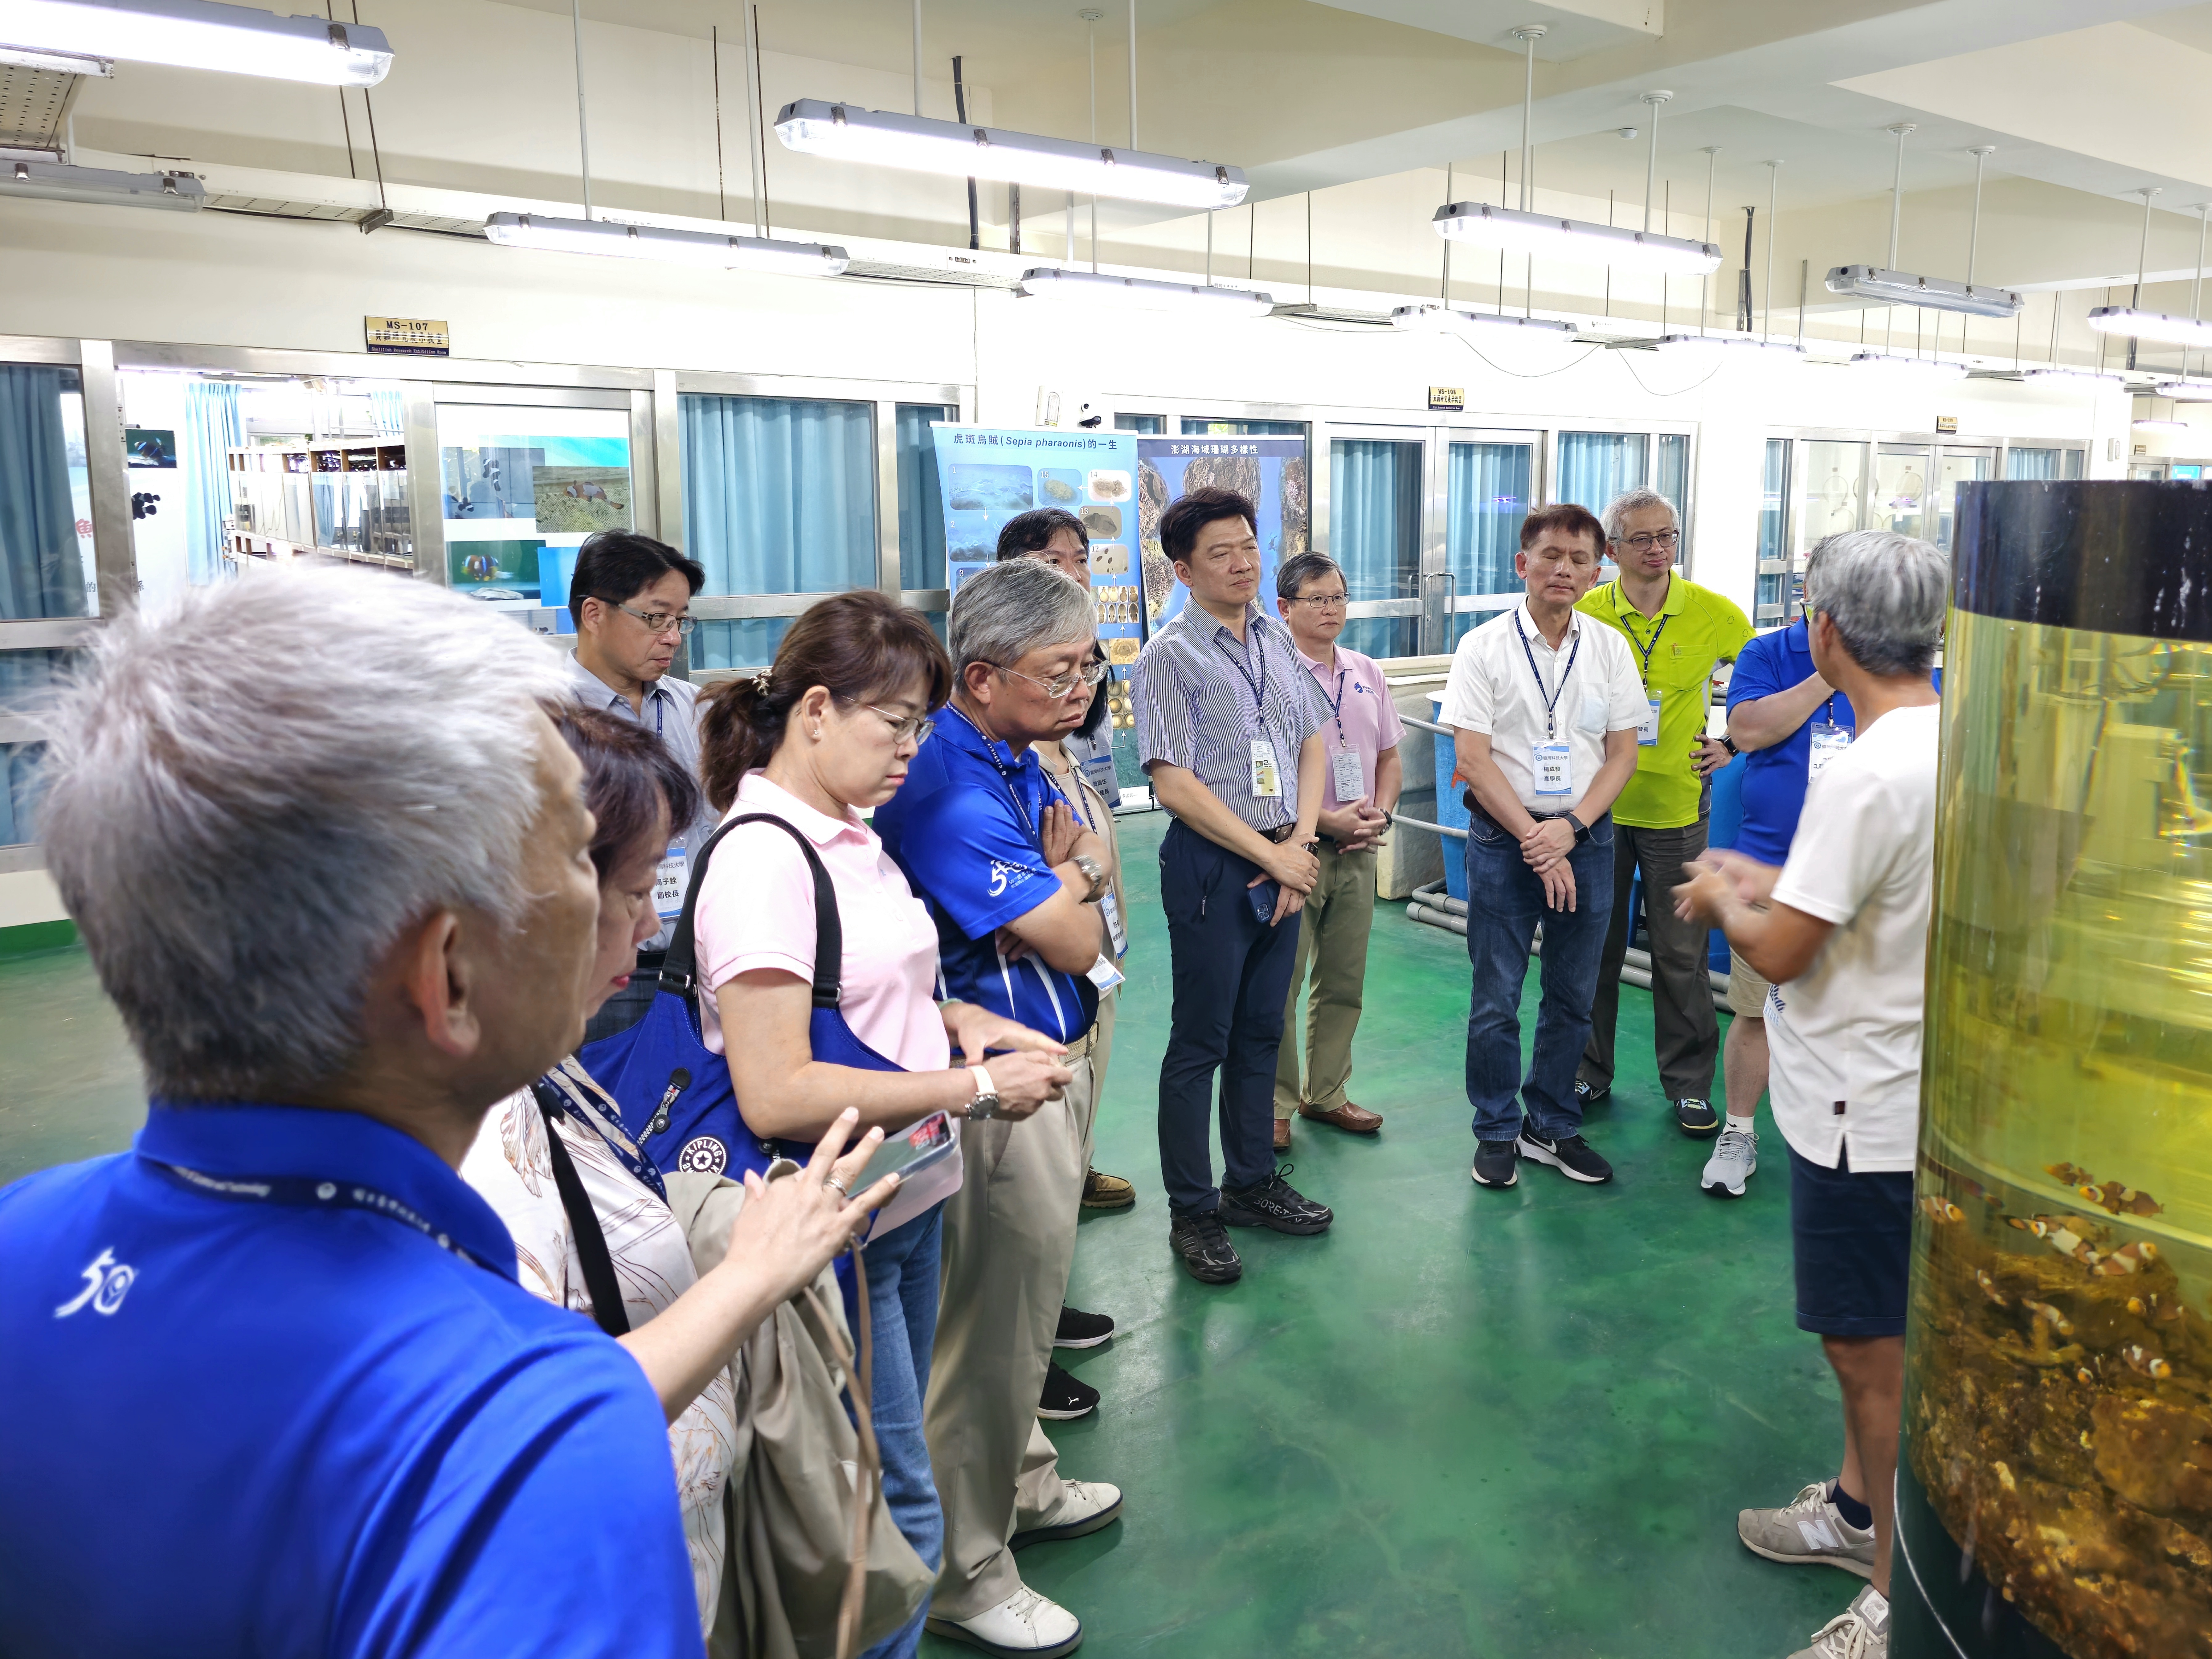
1697	1117
1276	1204
1573	1157
1205	1248
1078	1329
1496	1163
1065	1396
1589	1094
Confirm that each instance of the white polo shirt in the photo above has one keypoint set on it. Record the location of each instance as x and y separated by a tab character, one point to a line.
1501	680
1845	1033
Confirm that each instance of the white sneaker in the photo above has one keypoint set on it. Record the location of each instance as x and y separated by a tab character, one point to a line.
1734	1161
1024	1624
1808	1530
1084	1506
1859	1632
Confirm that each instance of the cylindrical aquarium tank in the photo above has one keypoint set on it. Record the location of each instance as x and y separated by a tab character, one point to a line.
2055	1487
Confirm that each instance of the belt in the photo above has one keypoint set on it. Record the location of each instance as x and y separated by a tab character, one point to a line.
1280	834
1475	807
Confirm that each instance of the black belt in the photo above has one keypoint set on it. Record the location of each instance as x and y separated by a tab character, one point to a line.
1475	807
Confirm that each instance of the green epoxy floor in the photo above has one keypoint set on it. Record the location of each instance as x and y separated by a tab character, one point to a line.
1460	1423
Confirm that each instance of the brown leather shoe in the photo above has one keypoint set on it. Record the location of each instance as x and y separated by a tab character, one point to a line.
1356	1120
1282	1134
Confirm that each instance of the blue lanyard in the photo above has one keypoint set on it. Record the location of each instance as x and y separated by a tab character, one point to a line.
1259	686
1006	776
564	1091
1336	710
1071	793
307	1193
1552	700
1621	617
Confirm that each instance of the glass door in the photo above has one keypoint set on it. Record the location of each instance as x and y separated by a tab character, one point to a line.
1489	486
1901	474
1375	534
1953	468
1827	491
1772	606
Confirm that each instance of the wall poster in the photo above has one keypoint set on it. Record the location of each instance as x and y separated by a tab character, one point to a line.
1270	472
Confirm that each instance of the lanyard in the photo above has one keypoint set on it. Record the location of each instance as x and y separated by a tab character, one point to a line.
1259	635
563	1090
1621	616
1552	700
1071	793
1336	710
306	1193
1006	776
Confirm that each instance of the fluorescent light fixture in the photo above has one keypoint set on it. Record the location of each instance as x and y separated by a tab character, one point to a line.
202	35
54	181
1902	288
2076	377
2164	426
55	63
2154	326
1489	325
1138	293
1927	370
2184	392
1743	347
680	247
847	132
1481	224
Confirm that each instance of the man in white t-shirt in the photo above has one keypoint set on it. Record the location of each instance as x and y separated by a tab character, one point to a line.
1841	933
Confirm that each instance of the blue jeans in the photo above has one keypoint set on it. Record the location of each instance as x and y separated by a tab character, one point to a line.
1505	902
902	1326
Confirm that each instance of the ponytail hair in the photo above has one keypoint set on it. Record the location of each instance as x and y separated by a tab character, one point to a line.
859	647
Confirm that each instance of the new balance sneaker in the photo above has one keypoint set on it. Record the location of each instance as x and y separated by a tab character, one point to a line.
1024	1624
1205	1248
1084	1507
1588	1094
1696	1118
1274	1203
1735	1160
1859	1632
1078	1329
1808	1530
1571	1156
1065	1396
1497	1163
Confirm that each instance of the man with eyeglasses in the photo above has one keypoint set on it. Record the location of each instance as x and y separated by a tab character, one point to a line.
630	597
1679	632
1364	778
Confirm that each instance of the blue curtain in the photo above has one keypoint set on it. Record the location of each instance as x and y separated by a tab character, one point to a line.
1671	475
41	574
1773	500
1596	466
921	503
384	403
212	429
24	676
2032	464
1375	534
779	497
1487	496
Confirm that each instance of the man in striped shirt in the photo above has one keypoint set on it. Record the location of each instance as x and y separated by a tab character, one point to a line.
1229	730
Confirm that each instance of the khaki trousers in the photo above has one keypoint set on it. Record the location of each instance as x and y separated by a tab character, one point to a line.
1332	932
1009	1242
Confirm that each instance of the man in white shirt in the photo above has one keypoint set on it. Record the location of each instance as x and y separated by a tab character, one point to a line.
1840	931
1544	703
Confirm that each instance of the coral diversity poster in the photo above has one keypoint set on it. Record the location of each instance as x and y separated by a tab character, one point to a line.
1271	472
988	475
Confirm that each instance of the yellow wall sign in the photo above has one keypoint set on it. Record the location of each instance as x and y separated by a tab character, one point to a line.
408	336
1447	397
1946	422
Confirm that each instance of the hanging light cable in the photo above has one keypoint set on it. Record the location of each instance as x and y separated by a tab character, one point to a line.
1892	287
1738	348
1706	282
2185	390
2153	325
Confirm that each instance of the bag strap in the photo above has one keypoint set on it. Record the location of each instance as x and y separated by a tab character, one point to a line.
583	1222
860	1390
678	972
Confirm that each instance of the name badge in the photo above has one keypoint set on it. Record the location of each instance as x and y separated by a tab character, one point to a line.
669	882
1829	740
1267	776
1348	775
1116	931
1104	975
1648	732
1553	765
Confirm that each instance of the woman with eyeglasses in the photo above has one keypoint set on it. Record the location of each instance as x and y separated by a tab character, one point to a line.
821	736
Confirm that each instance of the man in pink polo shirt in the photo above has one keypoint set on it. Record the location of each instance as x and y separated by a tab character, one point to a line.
1364	780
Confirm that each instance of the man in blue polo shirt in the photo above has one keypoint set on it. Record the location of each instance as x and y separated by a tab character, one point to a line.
1017	885
271	1385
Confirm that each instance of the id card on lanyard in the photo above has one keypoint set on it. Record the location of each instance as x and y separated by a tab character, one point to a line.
1265	779
1116	932
1647	730
1551	763
1348	768
671	880
1829	740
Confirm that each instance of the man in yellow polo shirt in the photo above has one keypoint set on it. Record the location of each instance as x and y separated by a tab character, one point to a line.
1678	632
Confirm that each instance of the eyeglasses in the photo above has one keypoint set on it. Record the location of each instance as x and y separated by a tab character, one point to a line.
1649	539
1090	673
656	621
916	727
1323	601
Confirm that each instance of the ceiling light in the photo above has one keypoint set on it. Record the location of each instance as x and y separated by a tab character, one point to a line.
1927	370
2154	326
1138	293
1742	347
53	181
1512	231
55	63
2164	426
2074	377
1902	288
2184	392
919	144
202	35
682	247
1489	323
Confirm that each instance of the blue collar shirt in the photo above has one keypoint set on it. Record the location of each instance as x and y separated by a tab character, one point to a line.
249	1410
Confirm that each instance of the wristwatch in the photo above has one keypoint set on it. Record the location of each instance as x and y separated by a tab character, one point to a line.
1582	829
985	1103
1729	744
1093	873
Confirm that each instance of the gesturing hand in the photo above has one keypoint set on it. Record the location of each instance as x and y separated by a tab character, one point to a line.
797	1225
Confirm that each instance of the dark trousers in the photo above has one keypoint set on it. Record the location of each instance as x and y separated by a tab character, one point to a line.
1686	1036
1505	902
1232	978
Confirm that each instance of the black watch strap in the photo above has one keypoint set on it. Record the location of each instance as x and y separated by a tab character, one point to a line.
1582	829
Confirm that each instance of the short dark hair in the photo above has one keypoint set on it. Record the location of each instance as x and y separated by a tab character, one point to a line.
1294	574
1566	518
628	770
1032	531
1190	514
614	565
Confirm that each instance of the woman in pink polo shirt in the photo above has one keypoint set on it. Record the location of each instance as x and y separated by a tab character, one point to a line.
823	734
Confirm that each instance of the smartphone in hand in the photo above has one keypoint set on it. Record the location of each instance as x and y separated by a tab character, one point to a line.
1263	898
909	1152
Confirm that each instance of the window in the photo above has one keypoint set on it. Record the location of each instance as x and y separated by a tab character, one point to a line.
1375	534
1671	478
45	507
2034	463
1487	496
24	676
779	497
1773	526
1199	426
1596	466
1150	426
920	505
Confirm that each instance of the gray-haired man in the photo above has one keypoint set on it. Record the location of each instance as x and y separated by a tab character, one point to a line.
1016	882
